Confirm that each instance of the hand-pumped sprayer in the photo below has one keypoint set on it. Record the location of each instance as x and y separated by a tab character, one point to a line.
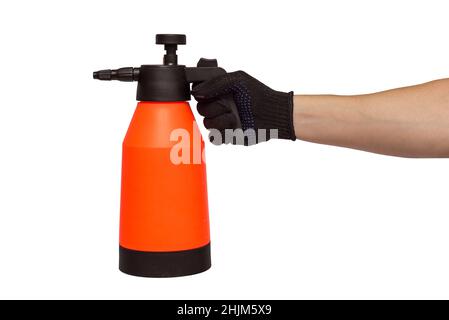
164	221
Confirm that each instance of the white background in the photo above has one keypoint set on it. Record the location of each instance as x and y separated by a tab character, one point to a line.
288	220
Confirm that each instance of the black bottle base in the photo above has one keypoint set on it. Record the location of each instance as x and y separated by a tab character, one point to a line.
165	264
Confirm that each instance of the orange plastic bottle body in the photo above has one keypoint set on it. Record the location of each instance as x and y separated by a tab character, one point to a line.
163	204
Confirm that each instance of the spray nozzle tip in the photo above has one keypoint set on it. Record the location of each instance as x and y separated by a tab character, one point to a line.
104	75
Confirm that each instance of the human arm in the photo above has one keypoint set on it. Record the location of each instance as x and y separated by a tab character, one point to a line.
408	122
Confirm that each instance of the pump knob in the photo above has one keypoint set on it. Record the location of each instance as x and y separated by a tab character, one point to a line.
170	39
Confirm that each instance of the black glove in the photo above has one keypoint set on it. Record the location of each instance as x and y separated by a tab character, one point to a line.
238	101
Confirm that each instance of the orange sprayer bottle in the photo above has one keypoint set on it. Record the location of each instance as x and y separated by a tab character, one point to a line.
164	221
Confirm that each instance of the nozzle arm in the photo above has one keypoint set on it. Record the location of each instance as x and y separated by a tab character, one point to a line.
127	74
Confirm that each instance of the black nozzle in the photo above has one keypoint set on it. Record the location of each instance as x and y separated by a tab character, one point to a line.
170	42
123	74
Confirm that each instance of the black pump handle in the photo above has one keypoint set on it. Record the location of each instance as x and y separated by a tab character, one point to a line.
208	69
205	69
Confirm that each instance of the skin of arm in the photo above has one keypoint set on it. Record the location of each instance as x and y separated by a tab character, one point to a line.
407	122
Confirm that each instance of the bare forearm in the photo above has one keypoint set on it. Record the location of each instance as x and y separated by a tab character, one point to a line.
408	122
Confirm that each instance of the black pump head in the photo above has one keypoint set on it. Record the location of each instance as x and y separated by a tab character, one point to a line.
170	42
168	81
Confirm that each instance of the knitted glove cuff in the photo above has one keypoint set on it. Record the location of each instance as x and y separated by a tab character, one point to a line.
275	111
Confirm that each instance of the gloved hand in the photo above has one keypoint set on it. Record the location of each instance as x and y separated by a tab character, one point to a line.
259	112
